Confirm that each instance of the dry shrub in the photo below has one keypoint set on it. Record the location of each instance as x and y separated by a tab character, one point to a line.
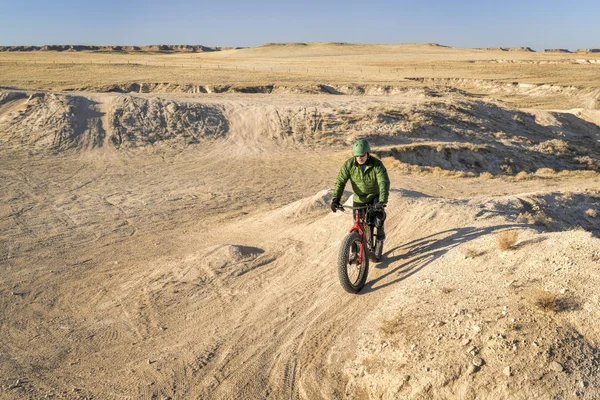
549	302
522	176
545	173
507	169
525	218
539	218
591	213
544	300
542	219
486	175
506	240
554	146
588	162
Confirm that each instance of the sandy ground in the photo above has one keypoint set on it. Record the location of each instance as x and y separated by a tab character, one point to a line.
180	245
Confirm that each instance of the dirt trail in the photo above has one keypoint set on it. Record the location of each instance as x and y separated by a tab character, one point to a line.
139	291
165	268
102	109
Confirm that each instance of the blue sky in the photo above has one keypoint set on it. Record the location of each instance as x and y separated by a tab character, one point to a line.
461	23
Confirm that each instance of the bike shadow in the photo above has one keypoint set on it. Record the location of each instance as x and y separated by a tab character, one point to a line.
423	251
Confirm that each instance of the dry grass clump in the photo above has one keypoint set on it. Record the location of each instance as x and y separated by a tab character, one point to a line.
591	213
471	252
583	173
542	219
392	162
545	300
539	218
522	176
486	175
525	218
549	302
506	240
437	171
549	173
554	146
545	173
507	169
589	162
391	326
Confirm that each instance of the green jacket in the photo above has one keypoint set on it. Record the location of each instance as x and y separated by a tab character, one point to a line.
366	186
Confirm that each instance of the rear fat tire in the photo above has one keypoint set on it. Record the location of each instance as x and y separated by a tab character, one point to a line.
343	265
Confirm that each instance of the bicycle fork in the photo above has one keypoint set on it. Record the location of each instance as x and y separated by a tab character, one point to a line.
361	253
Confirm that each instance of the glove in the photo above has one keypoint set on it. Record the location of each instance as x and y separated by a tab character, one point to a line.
335	204
379	206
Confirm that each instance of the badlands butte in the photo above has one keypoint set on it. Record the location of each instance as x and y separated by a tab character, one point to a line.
165	230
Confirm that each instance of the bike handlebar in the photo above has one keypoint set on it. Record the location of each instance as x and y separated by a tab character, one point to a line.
341	207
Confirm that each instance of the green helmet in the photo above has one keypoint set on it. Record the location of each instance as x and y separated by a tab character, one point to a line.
360	148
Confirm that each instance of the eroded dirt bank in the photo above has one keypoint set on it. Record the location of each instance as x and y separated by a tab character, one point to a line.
449	130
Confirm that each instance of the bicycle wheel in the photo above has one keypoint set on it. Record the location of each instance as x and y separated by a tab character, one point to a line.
352	274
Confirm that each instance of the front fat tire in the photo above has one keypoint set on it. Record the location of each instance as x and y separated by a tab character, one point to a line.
357	285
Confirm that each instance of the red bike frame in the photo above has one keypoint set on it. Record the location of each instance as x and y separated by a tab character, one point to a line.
358	227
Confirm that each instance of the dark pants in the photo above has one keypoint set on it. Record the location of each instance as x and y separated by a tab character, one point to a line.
378	218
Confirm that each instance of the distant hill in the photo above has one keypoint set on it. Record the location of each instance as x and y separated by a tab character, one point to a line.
151	48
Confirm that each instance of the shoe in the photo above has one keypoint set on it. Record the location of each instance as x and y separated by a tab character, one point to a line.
380	233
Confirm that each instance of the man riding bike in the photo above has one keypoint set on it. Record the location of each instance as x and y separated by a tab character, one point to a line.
370	183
